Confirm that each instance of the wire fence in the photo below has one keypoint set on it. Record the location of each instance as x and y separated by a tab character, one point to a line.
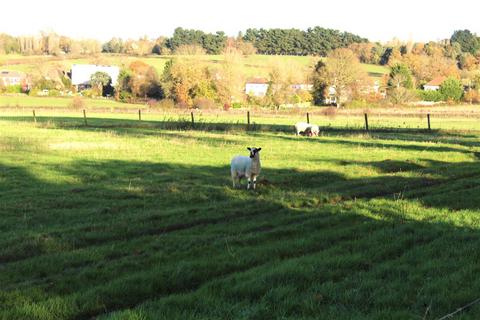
245	120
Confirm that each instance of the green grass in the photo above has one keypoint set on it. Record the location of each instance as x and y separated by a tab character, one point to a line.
254	65
129	220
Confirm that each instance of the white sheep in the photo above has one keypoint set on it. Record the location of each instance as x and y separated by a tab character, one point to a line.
306	129
301	127
248	167
314	130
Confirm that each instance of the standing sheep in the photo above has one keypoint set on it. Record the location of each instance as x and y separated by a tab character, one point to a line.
248	167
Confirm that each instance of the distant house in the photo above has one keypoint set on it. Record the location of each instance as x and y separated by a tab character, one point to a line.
13	78
81	74
330	95
256	87
302	86
435	84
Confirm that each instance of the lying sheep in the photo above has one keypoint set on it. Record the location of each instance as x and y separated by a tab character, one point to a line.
306	129
248	167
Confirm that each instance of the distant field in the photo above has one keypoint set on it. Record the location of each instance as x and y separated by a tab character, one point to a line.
58	102
124	219
255	65
235	121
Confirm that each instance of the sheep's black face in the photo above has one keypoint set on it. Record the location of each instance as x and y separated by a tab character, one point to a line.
254	151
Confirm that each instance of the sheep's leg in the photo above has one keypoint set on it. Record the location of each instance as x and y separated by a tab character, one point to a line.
254	182
249	183
234	177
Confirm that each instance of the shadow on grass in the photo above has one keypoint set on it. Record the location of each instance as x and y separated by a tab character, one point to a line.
186	124
303	244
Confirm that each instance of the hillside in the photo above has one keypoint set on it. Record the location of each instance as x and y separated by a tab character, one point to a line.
254	65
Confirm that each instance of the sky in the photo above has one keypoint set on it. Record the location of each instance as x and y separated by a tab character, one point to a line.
377	20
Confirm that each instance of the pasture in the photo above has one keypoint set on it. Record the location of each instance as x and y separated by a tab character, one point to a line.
254	65
123	219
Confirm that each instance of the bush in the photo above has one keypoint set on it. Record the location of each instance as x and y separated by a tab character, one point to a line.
77	103
53	93
204	103
452	89
357	104
166	104
45	84
472	96
399	96
89	93
13	89
125	96
237	105
434	96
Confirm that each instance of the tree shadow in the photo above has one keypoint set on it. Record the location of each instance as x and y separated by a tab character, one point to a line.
93	244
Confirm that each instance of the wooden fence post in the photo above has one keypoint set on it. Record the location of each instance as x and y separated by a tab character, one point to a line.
85	117
366	122
193	119
248	118
34	117
308	118
139	115
428	119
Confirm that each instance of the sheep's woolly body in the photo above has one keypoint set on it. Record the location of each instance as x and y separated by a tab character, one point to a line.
245	167
305	128
301	127
314	130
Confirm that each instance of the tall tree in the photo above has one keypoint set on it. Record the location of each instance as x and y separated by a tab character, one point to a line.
100	80
469	42
342	71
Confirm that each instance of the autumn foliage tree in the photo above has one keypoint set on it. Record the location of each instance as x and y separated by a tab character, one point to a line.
343	71
183	78
143	81
99	80
229	80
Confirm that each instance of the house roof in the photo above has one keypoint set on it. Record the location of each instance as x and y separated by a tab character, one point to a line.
436	81
257	80
9	73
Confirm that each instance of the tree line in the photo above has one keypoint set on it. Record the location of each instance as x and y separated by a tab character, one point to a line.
314	41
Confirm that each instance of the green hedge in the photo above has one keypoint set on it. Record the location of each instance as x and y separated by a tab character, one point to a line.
434	96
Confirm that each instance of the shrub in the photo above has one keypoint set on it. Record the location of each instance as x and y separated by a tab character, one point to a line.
434	96
13	89
204	103
125	96
89	93
399	96
357	104
152	103
166	104
53	93
452	89
237	105
472	96
77	103
330	112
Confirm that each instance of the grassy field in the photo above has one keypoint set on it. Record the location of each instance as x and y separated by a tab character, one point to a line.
59	102
130	220
255	65
236	120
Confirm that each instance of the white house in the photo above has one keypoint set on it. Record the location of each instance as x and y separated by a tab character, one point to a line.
256	87
434	85
302	86
81	73
11	78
